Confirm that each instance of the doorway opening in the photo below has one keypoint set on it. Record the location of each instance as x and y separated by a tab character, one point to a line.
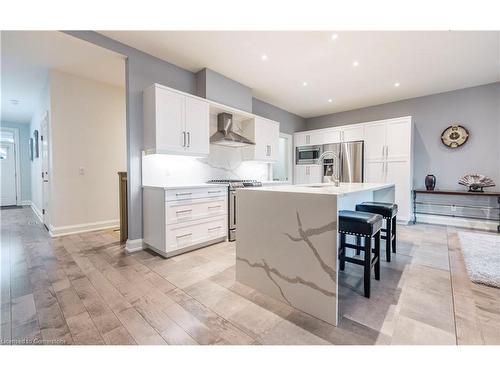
10	193
282	169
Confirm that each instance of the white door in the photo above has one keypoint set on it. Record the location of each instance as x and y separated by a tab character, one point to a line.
375	141
398	173
45	170
8	174
197	126
374	171
352	134
170	121
330	136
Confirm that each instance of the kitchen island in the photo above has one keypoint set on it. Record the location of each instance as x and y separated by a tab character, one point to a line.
286	246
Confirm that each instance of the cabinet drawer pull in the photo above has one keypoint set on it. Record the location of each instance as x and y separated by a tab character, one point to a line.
214	191
210	207
184	235
214	228
183	211
180	194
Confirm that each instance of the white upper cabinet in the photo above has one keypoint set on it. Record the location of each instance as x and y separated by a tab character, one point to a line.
331	136
375	138
175	123
197	126
352	133
309	138
265	133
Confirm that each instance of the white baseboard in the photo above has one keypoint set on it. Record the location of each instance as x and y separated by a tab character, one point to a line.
458	222
37	211
81	228
134	245
25	203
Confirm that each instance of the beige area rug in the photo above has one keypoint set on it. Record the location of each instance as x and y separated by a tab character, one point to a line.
482	257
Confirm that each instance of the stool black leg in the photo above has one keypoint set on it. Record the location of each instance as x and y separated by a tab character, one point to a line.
377	254
368	266
358	243
388	240
342	252
394	225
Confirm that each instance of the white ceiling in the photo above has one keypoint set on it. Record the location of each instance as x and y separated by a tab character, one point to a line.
423	62
27	56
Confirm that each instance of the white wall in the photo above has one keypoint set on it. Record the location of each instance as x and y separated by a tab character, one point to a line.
88	143
36	165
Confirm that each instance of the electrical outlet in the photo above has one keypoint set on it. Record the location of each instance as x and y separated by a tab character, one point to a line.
453	208
81	171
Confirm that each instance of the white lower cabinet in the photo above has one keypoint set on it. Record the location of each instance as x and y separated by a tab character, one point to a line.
308	174
180	220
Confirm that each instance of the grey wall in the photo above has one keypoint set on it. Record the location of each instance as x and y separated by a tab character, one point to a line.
143	70
289	123
24	160
477	108
214	86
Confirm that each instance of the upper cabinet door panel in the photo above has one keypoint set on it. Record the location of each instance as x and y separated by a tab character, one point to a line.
170	119
398	139
329	136
197	126
353	133
375	138
302	139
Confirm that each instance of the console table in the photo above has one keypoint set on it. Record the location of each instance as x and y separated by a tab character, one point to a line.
496	194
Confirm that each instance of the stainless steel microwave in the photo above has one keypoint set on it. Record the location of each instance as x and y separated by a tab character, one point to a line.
307	154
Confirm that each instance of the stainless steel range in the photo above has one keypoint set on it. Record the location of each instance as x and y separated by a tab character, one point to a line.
233	186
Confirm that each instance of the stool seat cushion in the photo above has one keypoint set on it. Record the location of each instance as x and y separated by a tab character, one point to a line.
360	223
387	210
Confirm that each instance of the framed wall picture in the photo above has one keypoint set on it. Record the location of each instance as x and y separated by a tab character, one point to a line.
37	147
31	149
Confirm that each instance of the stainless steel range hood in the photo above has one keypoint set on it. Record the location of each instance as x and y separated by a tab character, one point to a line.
225	135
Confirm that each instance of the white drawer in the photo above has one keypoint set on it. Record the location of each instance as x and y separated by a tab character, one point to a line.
188	234
181	211
196	193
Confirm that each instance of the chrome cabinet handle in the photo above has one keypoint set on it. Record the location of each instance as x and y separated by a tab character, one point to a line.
180	194
184	235
214	228
183	139
210	207
183	211
214	191
189	139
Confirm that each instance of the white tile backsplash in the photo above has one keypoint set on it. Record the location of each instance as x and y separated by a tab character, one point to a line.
222	163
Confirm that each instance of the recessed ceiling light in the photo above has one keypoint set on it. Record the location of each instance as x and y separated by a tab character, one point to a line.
355	63
330	100
14	101
335	36
304	83
263	57
396	84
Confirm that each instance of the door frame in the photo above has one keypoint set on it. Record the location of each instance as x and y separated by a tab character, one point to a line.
17	162
46	187
290	157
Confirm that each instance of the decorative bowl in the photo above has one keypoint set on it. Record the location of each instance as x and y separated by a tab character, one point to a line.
476	182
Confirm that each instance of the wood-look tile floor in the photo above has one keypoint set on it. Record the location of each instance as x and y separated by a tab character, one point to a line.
84	289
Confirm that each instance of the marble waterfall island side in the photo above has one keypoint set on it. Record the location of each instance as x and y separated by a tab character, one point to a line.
286	245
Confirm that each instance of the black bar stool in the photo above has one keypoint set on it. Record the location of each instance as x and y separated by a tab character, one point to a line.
362	225
388	212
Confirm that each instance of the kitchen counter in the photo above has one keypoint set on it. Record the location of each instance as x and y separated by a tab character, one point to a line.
183	186
328	189
286	245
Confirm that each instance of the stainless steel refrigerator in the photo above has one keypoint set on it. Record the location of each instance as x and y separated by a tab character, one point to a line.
344	161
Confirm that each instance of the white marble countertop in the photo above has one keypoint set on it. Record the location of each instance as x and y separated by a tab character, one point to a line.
183	186
325	189
269	183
